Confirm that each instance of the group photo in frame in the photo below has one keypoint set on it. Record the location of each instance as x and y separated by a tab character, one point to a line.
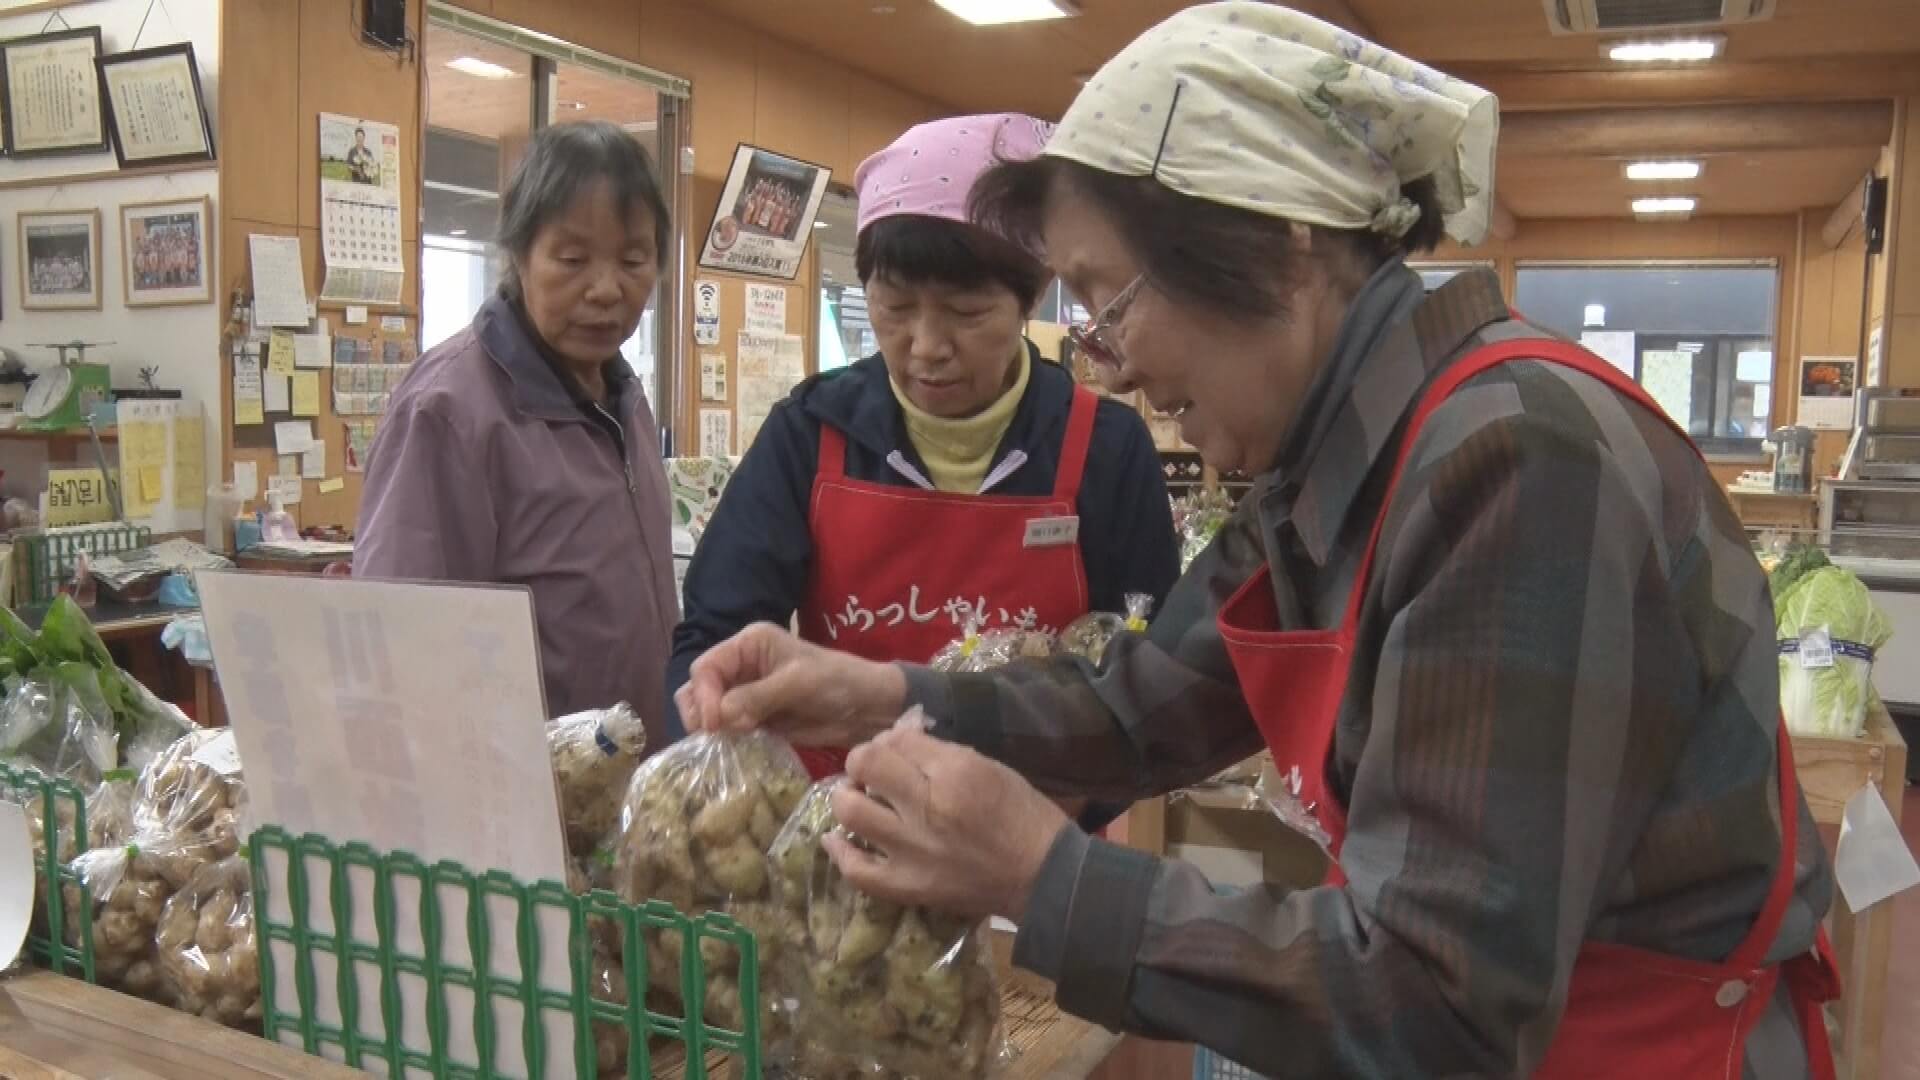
164	252
157	111
50	94
59	266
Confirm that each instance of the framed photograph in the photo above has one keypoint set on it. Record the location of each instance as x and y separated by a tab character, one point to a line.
60	260
50	93
164	251
765	216
157	113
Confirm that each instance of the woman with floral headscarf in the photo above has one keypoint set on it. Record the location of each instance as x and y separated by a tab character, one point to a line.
889	504
1486	607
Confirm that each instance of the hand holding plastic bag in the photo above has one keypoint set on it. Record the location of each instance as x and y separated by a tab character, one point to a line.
892	988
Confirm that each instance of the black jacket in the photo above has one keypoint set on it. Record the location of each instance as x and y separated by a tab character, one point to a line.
752	563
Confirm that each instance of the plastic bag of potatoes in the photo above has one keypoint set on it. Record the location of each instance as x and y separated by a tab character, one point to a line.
983	650
1088	636
594	755
205	947
194	790
694	832
902	990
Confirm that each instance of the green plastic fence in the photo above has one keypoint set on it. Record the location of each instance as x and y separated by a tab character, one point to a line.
384	1051
47	937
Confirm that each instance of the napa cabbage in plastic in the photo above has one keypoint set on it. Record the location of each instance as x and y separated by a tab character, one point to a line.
1829	631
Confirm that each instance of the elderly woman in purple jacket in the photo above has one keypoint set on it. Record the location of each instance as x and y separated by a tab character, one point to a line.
521	451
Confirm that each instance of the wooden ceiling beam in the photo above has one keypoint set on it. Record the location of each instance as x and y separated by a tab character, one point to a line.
1852	78
1846	217
1696	129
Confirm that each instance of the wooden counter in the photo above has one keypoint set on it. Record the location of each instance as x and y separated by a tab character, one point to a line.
1831	771
56	1028
1775	510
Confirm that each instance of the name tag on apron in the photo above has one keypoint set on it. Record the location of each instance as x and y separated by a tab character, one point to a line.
1052	532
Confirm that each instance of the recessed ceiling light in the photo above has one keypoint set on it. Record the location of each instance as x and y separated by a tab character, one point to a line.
1673	51
473	65
1693	346
457	232
1663	170
821	224
1677	204
1594	315
998	12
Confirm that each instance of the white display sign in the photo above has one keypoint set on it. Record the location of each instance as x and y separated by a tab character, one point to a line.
1827	386
767	309
410	718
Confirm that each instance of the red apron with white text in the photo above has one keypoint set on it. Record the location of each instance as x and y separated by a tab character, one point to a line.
1629	1011
898	572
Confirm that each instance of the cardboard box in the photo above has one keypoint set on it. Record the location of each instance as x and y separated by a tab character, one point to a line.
1237	841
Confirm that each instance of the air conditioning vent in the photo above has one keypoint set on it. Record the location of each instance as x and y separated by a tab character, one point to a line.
1628	16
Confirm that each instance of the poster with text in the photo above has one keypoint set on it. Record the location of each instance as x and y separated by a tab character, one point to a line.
765	215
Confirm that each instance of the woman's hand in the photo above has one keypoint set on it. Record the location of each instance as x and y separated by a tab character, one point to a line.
764	677
949	829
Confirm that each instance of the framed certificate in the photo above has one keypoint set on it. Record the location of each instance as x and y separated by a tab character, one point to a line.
158	114
50	93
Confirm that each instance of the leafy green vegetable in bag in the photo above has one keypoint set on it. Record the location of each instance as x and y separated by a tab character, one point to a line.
1829	630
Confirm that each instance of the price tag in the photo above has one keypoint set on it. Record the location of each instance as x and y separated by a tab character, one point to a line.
1816	649
1052	532
220	753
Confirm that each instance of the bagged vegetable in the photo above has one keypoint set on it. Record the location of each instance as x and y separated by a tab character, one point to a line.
1088	635
983	650
594	755
1829	631
205	947
57	721
902	990
1198	518
130	887
108	810
694	832
194	791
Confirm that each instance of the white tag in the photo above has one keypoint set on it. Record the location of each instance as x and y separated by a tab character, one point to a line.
356	316
220	753
1052	532
1816	649
1871	862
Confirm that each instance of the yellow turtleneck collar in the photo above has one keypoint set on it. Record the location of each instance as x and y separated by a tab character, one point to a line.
959	452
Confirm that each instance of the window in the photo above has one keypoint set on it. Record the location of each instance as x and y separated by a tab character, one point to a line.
845	333
489	88
1699	338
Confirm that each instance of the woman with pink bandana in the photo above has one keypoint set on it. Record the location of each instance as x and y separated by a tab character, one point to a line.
955	472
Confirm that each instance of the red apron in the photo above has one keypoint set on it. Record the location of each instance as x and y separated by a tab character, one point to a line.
898	572
1629	1012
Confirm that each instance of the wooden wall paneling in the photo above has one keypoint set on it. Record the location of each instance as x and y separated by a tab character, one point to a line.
339	74
482	7
719	61
259	115
878	115
801	106
608	26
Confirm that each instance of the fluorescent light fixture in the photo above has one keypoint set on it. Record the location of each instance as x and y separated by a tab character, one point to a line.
479	69
1673	51
999	12
1594	316
1678	204
1663	170
818	224
1693	346
457	232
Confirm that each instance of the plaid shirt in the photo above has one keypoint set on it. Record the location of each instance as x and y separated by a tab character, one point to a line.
1560	726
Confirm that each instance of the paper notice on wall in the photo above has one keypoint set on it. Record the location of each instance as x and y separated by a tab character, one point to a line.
313	463
248	393
288	488
190	462
312	351
360	202
706	312
278	396
713	376
1827	386
359	441
246	479
1667	375
769	367
163	463
306	393
280	353
292	437
1616	347
279	281
767	309
716	433
408	718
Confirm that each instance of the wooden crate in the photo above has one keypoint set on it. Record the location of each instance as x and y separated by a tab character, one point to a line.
1831	772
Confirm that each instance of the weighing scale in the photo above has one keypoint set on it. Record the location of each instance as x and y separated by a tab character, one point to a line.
63	397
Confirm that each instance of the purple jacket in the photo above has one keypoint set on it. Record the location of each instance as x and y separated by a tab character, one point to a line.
489	468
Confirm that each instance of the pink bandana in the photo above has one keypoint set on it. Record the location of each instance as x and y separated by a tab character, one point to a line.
931	169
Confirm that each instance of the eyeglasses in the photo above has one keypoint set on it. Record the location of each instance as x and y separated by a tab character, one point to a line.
1095	338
